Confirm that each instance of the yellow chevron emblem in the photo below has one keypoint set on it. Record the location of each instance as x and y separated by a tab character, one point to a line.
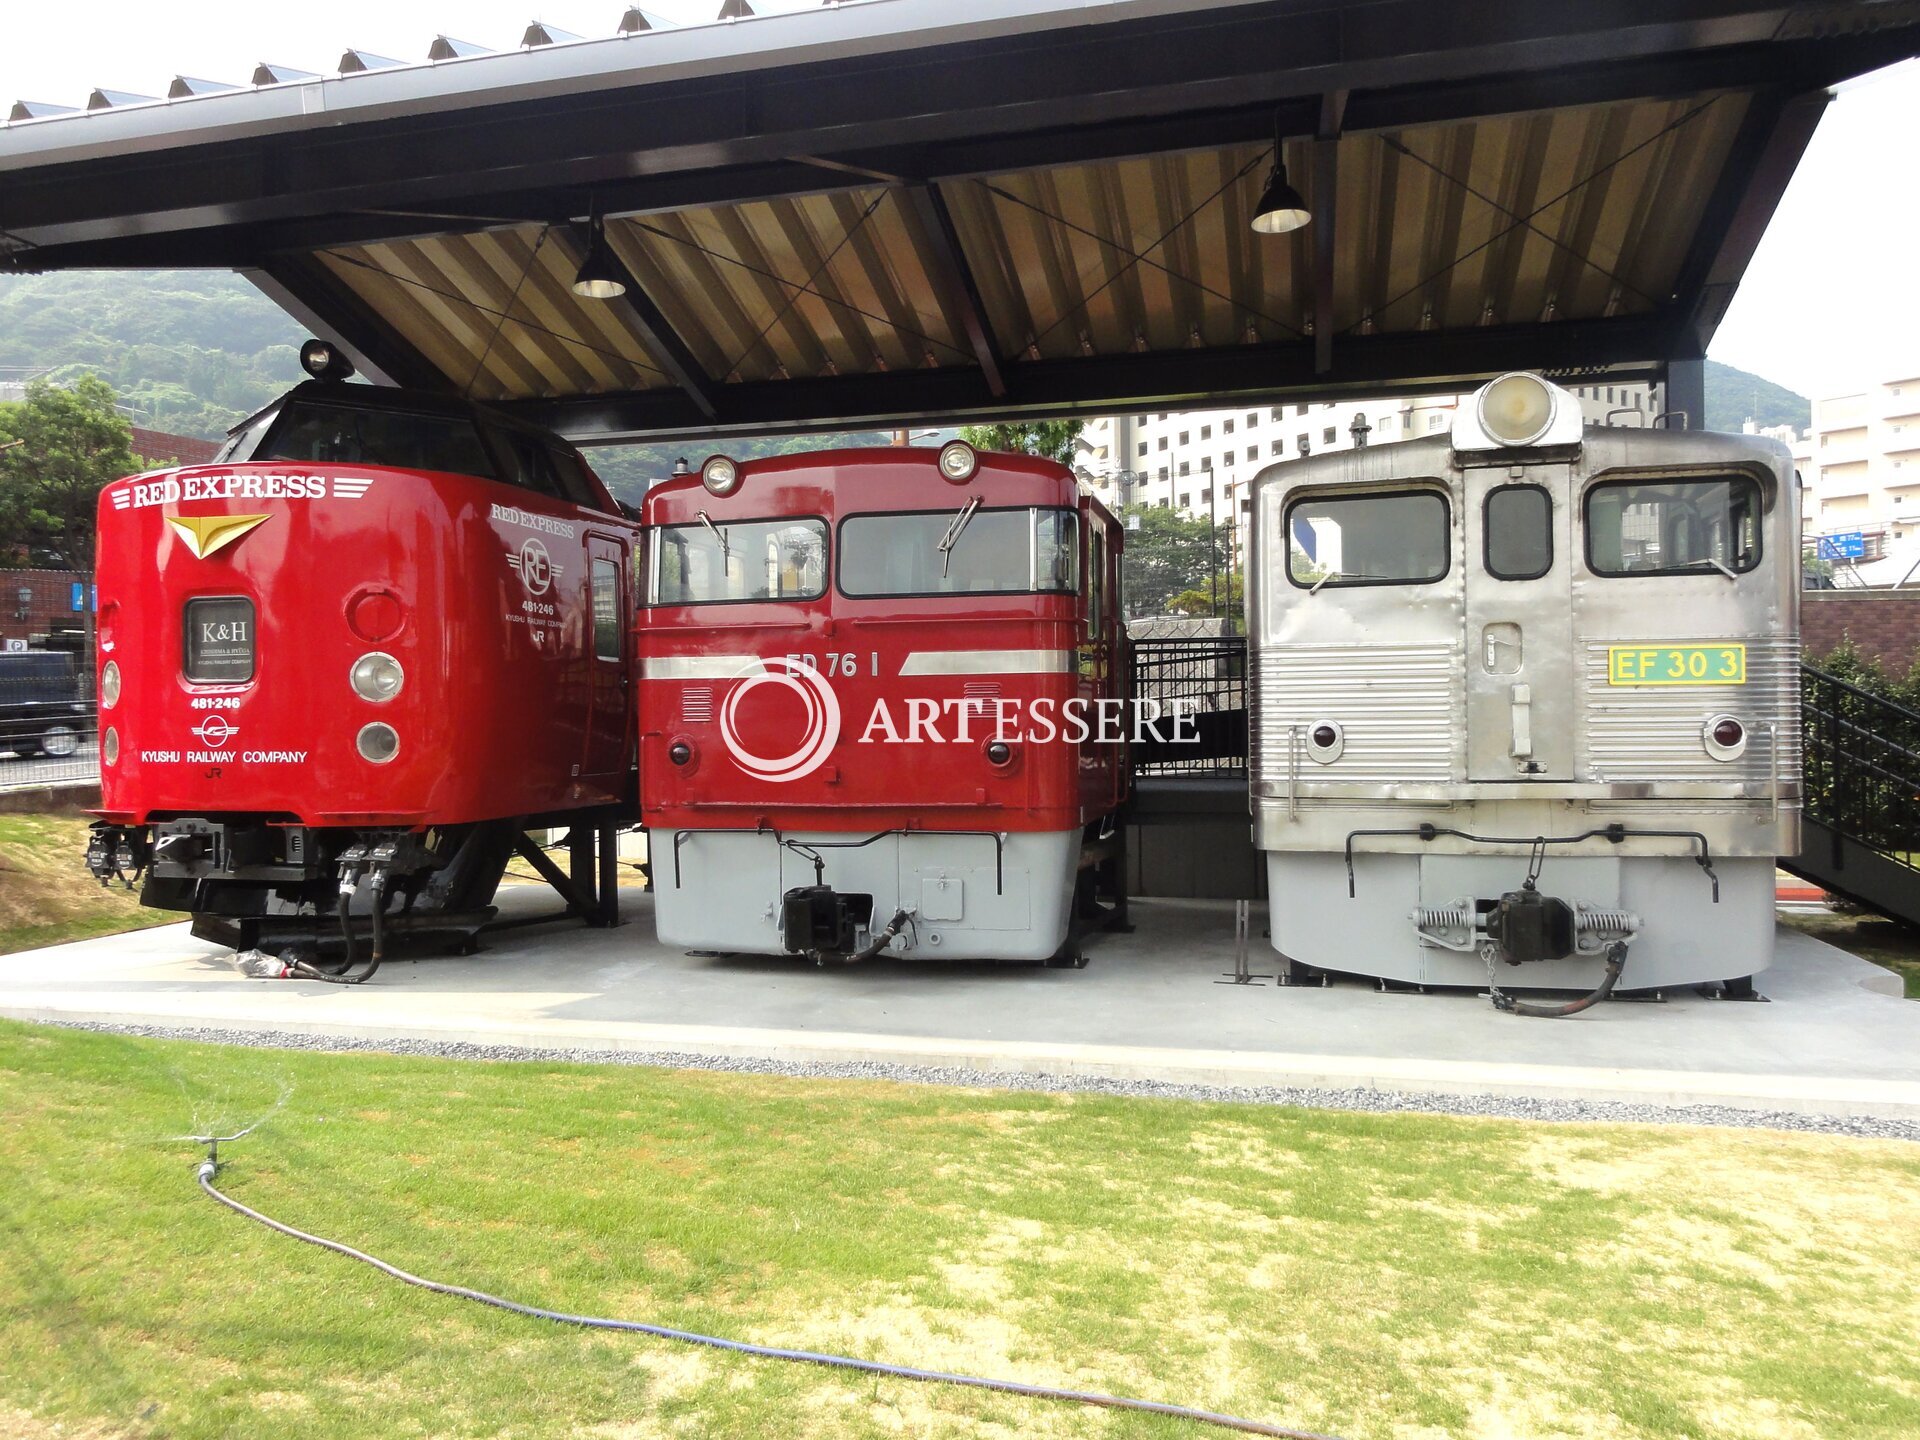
205	534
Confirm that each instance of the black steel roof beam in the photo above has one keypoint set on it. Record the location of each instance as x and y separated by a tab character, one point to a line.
1422	363
955	276
1766	151
983	92
332	311
663	342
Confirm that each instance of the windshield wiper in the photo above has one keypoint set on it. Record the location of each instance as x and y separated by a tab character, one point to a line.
955	528
1330	575
1707	560
718	534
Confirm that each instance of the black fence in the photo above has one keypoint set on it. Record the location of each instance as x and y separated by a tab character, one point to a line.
1862	765
1200	686
48	722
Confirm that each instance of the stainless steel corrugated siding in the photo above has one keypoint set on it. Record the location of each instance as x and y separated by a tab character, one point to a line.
1652	732
1400	706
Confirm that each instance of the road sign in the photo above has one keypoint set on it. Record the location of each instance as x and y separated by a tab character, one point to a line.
1847	545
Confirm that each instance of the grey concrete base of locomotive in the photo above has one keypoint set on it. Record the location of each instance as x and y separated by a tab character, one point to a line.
1152	1005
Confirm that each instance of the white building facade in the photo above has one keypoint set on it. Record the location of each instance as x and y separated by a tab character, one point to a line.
1202	462
1860	468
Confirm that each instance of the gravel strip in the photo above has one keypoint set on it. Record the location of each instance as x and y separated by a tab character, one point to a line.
1382	1102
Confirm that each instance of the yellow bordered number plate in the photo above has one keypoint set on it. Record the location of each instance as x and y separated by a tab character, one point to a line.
1676	665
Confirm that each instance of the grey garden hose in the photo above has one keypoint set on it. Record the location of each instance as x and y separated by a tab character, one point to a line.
210	1167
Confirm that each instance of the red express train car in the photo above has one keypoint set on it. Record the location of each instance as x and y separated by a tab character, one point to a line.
378	635
881	703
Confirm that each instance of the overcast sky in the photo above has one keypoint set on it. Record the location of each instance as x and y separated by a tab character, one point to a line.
1832	300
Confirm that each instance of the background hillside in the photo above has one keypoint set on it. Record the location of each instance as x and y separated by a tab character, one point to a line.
194	351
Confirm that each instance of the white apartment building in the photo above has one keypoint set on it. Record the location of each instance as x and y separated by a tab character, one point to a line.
1202	462
1860	467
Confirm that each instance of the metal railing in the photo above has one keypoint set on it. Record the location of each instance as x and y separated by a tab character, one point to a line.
1206	678
48	730
1862	765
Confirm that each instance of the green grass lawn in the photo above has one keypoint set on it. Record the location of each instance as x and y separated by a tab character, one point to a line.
46	895
1373	1276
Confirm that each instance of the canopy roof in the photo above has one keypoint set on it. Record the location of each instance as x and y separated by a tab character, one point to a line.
893	210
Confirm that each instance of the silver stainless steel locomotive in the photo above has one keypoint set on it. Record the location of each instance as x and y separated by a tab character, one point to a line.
1525	701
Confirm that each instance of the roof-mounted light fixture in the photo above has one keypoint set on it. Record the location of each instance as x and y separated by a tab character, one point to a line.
1281	208
598	277
324	360
1516	411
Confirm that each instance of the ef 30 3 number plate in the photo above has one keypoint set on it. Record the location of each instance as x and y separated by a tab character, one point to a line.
1676	665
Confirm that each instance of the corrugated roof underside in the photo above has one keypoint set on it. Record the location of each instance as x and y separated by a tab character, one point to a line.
1563	215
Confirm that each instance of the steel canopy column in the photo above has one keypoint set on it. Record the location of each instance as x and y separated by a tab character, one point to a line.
1687	393
1326	185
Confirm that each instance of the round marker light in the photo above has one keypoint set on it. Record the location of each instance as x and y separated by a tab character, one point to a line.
1326	741
322	360
958	461
999	752
110	747
1324	736
1516	409
720	475
377	742
110	685
1724	736
679	752
377	676
1728	731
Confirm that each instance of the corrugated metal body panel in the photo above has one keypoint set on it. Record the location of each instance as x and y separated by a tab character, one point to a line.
446	295
1399	705
1654	732
834	284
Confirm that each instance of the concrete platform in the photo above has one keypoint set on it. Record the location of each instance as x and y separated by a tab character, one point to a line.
1835	1039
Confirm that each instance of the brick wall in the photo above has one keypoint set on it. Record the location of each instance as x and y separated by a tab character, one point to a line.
1881	623
49	607
157	447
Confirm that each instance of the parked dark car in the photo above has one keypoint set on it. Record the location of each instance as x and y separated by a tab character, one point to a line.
43	710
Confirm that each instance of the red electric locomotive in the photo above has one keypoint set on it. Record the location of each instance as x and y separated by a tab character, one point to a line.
345	665
882	704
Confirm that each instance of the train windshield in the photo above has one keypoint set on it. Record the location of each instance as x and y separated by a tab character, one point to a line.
964	551
1674	527
714	562
344	435
1396	539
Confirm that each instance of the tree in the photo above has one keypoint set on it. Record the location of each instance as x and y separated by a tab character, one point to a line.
1203	599
74	443
1049	439
1167	554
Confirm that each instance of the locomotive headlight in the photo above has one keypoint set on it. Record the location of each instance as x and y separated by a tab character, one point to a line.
377	742
1725	737
958	461
1517	409
377	676
110	746
322	360
1326	739
720	475
110	685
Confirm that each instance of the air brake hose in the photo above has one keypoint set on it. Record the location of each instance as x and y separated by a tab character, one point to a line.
874	946
1616	958
313	972
209	1168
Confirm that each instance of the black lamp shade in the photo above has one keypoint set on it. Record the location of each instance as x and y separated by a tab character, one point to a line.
1281	207
597	279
